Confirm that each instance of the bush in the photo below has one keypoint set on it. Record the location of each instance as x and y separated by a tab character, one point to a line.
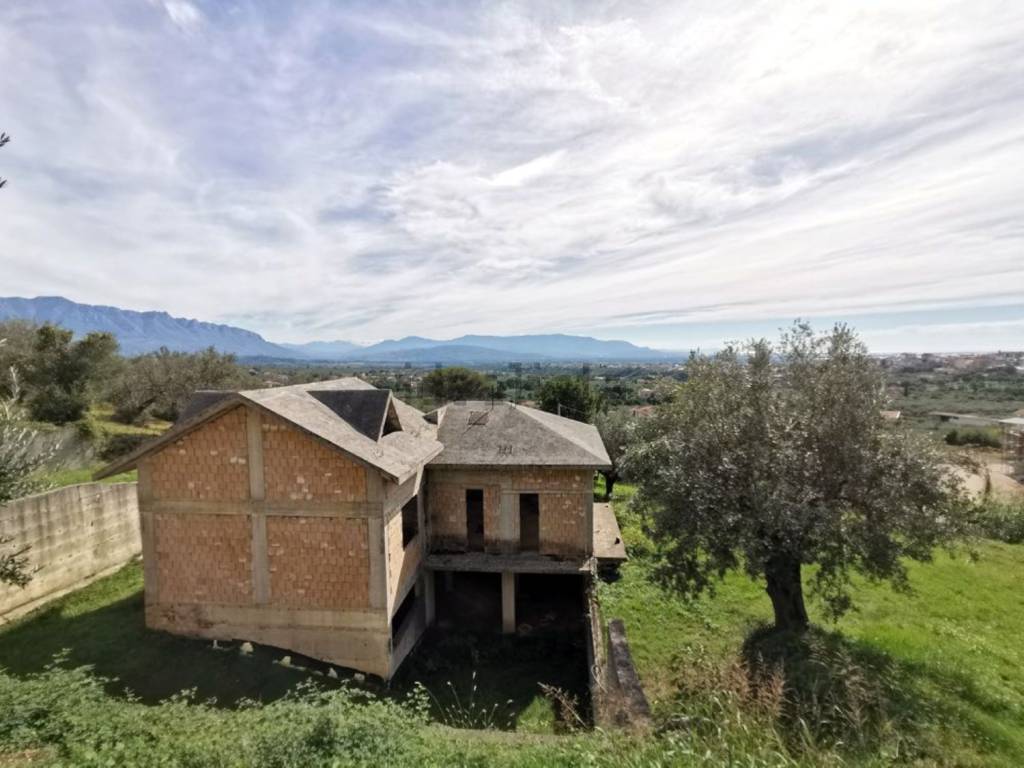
984	438
57	406
1002	521
67	712
118	445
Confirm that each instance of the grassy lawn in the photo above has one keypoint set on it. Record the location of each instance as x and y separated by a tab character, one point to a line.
471	681
933	678
59	478
951	653
103	417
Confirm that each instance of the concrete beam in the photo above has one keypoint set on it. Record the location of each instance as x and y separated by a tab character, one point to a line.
378	564
429	607
508	602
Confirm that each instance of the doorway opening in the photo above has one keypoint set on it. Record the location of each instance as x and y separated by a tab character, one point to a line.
474	519
529	522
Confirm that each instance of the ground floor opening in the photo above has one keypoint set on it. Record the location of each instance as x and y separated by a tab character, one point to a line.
513	603
505	651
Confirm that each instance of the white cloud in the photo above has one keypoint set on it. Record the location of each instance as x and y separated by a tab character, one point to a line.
185	15
366	171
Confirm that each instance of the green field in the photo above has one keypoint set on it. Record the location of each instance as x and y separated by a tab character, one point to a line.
935	677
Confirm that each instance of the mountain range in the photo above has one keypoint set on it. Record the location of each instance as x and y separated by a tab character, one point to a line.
141	332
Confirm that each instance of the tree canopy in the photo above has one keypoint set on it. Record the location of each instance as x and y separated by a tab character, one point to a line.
161	383
615	427
456	383
571	396
63	374
771	458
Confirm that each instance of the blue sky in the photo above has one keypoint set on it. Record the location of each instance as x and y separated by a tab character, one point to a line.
671	173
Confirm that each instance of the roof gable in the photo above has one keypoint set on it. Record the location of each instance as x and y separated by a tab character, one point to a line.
348	414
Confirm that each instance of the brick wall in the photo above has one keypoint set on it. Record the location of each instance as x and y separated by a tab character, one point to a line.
563	523
208	464
318	562
203	558
565	498
548	479
446	506
298	467
492	519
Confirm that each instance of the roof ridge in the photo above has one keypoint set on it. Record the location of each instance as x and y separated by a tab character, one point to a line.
528	411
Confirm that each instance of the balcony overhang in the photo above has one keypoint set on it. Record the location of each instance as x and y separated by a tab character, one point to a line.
522	562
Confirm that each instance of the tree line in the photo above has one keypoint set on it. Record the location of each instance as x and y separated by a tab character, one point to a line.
60	377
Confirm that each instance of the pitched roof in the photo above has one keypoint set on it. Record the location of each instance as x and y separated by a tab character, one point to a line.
504	434
347	413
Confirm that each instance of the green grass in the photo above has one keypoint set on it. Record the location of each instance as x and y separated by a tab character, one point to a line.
954	647
933	678
102	416
59	478
486	681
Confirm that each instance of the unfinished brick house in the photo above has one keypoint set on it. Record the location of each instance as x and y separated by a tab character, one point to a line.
315	517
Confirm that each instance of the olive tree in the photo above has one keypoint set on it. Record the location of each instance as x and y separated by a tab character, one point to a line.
772	458
18	465
456	383
569	396
615	428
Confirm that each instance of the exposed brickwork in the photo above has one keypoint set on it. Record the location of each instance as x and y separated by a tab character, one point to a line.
492	519
548	479
203	558
318	562
402	561
565	497
446	505
208	464
298	467
563	523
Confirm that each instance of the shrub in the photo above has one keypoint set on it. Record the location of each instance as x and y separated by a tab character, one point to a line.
118	445
984	438
1001	520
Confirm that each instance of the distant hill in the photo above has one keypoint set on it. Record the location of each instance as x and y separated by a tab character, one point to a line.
140	332
322	350
534	348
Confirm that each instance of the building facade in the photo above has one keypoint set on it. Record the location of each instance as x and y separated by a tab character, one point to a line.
316	518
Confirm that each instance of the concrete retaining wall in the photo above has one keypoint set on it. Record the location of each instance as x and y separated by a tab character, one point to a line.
75	534
626	694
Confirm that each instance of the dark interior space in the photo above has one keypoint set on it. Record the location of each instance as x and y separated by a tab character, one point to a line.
549	604
529	522
468	601
409	604
475	520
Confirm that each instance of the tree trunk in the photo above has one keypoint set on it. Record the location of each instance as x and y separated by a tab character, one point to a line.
782	573
609	485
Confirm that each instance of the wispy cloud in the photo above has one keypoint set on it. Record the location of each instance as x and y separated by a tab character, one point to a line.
368	170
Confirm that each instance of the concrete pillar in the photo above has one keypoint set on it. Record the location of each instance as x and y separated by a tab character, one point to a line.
508	602
429	609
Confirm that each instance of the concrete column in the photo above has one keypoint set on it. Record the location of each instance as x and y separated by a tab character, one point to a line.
260	560
429	609
508	602
254	440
